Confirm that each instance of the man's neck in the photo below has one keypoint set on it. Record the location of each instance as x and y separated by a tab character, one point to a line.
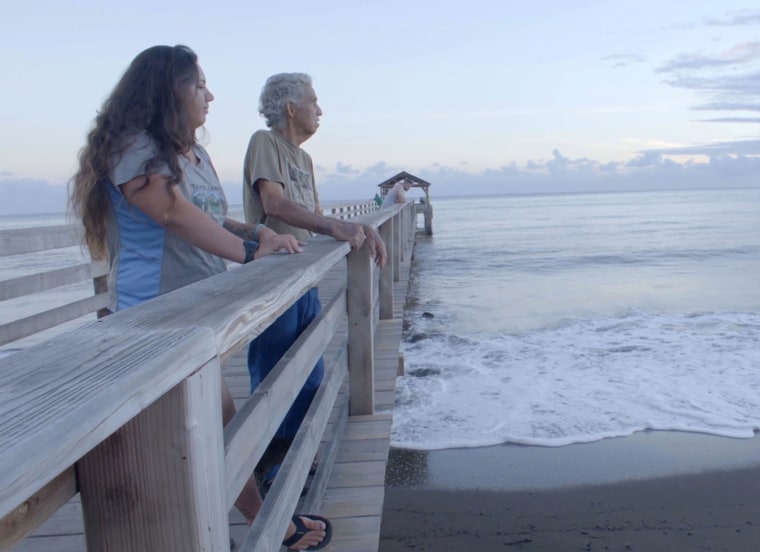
292	135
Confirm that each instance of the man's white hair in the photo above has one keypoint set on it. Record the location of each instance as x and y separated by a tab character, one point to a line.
278	91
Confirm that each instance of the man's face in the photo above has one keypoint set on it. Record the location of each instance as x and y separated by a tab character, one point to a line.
307	113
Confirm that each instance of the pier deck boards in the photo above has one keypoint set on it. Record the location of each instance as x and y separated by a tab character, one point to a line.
354	494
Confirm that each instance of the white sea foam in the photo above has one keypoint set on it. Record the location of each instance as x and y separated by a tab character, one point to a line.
581	381
568	319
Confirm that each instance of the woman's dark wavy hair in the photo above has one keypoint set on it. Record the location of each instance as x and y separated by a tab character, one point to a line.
149	97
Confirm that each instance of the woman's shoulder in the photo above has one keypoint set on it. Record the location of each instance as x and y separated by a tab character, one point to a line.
136	142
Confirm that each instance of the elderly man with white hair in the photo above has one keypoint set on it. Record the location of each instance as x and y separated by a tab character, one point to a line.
279	190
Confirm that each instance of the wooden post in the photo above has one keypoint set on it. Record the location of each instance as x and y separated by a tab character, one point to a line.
404	219
158	484
386	275
411	216
100	285
360	333
396	250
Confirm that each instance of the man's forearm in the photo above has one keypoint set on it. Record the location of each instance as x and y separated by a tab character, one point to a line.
293	214
240	229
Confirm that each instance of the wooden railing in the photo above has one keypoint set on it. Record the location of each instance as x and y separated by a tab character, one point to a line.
27	241
350	210
126	410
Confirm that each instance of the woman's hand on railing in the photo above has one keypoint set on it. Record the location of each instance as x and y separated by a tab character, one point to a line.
270	241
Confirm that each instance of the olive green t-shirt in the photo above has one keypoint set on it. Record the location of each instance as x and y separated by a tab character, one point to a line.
272	157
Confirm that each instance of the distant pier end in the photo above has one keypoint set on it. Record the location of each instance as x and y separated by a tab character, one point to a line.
424	206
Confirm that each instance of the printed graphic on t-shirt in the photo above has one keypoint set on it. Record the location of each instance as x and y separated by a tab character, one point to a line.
301	189
211	201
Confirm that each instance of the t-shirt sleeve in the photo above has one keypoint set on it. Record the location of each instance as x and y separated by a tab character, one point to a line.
262	160
317	206
131	163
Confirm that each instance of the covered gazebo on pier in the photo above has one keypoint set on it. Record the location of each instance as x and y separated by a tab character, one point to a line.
425	207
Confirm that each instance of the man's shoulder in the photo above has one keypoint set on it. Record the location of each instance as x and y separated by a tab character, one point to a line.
263	135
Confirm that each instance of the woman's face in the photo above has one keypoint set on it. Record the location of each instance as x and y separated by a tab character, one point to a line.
197	100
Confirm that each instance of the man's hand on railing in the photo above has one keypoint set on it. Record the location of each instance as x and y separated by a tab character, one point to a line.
376	246
349	231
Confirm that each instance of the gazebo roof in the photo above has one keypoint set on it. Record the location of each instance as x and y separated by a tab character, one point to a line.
417	182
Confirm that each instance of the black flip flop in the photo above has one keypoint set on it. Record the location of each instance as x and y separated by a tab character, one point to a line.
301	530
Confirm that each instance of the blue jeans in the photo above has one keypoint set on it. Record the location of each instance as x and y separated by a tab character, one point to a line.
267	349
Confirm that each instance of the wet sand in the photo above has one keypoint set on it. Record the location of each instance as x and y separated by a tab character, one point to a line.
650	492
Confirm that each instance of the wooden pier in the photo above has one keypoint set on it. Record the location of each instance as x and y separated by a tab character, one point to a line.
116	426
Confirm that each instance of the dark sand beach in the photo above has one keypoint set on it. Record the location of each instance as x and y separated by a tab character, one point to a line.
657	491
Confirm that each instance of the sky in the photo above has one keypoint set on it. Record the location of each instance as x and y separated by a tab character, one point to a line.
477	97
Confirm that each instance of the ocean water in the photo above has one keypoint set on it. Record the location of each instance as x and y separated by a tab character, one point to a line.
557	319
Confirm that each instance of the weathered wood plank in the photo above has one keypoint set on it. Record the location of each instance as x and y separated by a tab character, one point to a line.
330	441
67	520
386	274
53	543
367	430
50	418
397	247
248	434
30	240
363	450
35	323
36	509
35	283
360	332
243	329
350	502
272	520
158	483
240	312
358	474
357	534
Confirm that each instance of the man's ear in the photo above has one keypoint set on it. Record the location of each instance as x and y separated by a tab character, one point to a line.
290	110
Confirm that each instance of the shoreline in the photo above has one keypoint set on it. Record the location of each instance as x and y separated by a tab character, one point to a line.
510	467
655	491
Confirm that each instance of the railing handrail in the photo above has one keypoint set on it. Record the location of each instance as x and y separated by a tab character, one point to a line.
63	397
16	241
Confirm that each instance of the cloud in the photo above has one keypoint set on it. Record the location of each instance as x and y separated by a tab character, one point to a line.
5	173
740	18
717	149
731	165
727	106
382	168
646	159
341	168
729	79
740	54
742	85
753	120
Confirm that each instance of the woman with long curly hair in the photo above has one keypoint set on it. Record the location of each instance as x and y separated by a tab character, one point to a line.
151	204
